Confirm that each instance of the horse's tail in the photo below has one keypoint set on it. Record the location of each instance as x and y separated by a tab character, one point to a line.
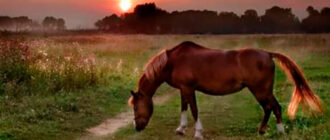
302	92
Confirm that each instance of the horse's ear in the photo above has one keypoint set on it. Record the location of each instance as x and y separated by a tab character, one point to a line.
133	93
130	101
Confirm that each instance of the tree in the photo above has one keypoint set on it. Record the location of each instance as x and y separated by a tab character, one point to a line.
148	18
109	23
279	20
229	23
325	13
316	21
193	21
50	23
21	23
5	22
250	21
312	23
60	24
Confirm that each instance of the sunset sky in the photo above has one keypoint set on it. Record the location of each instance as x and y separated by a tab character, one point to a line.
83	13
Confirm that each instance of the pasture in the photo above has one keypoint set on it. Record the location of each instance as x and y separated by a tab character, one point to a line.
56	87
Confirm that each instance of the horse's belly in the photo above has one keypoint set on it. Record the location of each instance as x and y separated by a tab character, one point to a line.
220	88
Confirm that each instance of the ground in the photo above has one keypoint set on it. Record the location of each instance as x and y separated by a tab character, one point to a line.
68	113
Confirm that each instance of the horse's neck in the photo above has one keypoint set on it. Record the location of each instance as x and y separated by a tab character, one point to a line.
149	87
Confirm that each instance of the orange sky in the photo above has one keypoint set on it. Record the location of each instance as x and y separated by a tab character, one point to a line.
83	13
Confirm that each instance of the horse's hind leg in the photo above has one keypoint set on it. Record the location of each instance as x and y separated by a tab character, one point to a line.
184	120
278	114
265	97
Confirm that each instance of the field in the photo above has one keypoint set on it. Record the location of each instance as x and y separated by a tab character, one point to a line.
56	87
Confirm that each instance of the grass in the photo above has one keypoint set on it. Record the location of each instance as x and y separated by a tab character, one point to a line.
71	83
238	116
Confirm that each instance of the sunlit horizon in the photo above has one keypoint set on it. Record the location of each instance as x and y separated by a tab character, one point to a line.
125	5
83	14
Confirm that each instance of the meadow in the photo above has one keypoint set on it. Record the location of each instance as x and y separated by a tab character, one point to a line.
58	86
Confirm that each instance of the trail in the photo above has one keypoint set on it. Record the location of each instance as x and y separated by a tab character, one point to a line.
112	125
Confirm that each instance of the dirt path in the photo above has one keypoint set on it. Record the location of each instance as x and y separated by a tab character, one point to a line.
112	125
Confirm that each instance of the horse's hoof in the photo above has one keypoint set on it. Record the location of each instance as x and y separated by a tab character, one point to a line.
280	128
198	137
178	132
261	132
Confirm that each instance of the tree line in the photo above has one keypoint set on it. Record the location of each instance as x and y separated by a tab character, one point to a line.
24	23
148	18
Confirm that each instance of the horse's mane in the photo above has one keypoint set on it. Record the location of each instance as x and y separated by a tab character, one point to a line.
152	69
155	65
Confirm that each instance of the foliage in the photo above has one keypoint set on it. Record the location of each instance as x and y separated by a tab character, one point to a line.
147	18
52	23
16	23
317	21
23	24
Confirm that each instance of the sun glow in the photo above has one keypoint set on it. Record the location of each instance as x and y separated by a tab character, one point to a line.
125	5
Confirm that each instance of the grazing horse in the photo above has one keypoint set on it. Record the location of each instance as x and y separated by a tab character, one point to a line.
189	67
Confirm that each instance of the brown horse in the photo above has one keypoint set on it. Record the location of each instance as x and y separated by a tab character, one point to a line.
189	67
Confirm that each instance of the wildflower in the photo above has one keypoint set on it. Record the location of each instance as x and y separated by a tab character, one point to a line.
68	58
119	65
45	54
92	60
136	71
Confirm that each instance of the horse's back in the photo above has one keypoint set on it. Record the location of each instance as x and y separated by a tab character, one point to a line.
216	71
256	65
205	68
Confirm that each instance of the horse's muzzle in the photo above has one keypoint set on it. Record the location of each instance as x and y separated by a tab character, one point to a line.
139	126
138	129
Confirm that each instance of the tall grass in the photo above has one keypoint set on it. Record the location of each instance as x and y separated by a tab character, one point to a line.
42	87
55	88
26	70
14	66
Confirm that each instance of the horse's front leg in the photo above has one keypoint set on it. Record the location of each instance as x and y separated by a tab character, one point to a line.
194	112
189	95
184	120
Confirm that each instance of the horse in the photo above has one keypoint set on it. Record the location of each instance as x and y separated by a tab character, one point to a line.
190	67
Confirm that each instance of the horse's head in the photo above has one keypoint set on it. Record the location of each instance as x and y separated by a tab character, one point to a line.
143	109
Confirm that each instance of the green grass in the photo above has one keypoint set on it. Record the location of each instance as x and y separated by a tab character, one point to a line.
238	116
36	109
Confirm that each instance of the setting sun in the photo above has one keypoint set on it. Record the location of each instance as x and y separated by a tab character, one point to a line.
125	5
